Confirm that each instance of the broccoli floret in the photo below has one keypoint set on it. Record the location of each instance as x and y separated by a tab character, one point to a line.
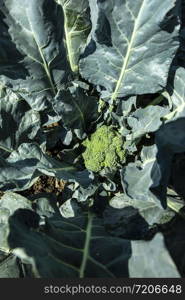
103	149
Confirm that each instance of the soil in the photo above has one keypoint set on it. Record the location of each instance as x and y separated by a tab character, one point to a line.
45	184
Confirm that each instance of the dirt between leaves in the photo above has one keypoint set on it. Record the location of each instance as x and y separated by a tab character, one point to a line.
46	184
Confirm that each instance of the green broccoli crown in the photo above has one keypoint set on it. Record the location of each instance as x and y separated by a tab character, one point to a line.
103	149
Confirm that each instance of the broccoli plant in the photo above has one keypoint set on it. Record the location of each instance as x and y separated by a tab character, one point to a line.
92	100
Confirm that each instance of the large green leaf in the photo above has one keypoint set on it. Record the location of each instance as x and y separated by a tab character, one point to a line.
68	248
36	65
77	27
77	246
132	45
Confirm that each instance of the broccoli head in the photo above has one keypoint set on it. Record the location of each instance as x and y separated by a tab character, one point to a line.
103	149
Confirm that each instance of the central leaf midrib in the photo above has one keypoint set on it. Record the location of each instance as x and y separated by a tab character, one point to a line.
80	111
6	148
86	248
73	66
126	58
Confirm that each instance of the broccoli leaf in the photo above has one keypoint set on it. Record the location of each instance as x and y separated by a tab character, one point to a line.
80	246
36	67
68	248
132	46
